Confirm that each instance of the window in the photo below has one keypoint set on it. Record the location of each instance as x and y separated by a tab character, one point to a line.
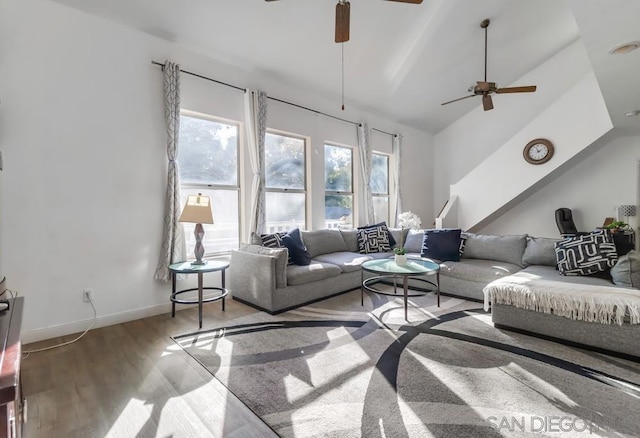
380	187
285	182
338	184
208	162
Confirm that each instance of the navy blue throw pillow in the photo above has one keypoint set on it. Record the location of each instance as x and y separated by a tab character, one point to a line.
297	251
383	224
442	244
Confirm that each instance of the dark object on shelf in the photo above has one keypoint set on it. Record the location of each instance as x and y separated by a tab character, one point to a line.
564	221
625	242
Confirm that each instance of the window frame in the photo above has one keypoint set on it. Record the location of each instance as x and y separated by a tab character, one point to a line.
352	193
305	190
190	186
386	195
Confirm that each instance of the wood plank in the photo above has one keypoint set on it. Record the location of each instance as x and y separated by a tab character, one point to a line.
130	380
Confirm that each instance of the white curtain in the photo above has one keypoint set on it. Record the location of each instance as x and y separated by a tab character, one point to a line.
255	114
396	149
365	165
173	244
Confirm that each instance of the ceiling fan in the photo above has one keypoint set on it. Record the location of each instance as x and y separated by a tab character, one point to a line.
343	9
485	89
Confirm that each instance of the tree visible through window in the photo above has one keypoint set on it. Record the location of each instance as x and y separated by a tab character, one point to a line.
208	164
338	180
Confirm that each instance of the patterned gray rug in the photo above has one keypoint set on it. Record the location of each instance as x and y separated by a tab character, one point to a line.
337	369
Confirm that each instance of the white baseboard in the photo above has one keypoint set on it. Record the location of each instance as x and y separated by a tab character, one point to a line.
55	331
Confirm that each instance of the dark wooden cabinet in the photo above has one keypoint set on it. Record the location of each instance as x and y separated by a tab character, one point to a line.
11	402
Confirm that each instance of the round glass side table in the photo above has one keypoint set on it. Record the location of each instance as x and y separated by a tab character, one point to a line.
188	268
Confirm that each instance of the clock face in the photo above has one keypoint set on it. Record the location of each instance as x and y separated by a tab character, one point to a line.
538	151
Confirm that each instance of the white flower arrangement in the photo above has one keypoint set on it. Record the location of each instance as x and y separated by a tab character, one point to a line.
409	219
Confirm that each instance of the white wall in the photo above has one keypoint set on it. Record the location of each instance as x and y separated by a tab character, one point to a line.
82	130
593	186
573	122
466	143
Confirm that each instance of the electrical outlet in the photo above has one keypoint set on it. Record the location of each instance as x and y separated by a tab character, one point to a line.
87	295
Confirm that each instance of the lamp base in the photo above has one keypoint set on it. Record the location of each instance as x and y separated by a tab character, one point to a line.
199	262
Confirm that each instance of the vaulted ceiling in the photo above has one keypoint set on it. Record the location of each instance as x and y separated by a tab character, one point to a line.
402	60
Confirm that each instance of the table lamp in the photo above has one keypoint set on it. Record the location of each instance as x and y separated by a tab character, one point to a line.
627	211
197	211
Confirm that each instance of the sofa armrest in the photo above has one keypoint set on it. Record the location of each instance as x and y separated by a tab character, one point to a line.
253	277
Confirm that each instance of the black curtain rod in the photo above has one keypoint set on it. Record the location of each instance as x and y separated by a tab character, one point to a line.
202	77
269	97
384	132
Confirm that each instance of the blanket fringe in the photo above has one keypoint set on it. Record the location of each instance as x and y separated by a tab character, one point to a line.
608	310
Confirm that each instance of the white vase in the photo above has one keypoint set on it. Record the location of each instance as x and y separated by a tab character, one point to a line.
400	259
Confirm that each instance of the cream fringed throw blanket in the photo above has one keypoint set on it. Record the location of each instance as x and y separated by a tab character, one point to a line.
602	304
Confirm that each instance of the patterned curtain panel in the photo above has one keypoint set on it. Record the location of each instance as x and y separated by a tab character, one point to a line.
255	109
173	244
365	165
397	158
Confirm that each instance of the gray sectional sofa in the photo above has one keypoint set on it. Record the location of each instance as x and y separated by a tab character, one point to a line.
260	277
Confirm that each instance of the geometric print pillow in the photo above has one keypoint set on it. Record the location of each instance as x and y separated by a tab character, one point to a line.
272	240
586	254
373	239
275	241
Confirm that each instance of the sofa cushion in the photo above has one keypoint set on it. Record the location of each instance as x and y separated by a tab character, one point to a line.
280	254
586	254
540	251
323	241
551	273
351	240
478	270
442	244
297	251
314	271
490	247
347	261
626	272
413	244
373	239
383	224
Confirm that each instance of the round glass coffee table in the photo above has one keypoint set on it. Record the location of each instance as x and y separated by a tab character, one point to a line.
387	268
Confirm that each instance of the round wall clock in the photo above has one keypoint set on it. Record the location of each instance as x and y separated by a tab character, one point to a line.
538	151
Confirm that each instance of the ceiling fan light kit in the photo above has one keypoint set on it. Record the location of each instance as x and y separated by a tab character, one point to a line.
486	89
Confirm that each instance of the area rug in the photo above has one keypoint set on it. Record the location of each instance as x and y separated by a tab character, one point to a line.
339	369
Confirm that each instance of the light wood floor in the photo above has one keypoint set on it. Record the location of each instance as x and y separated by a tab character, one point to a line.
131	380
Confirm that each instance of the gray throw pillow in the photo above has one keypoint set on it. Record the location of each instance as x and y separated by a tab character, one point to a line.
414	241
540	251
507	249
280	254
626	273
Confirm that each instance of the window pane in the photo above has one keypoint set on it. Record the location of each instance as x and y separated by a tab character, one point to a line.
224	234
208	152
338	211
381	209
284	162
337	168
379	174
285	211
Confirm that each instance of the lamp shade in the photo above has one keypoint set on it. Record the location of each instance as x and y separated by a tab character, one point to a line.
627	210
197	210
